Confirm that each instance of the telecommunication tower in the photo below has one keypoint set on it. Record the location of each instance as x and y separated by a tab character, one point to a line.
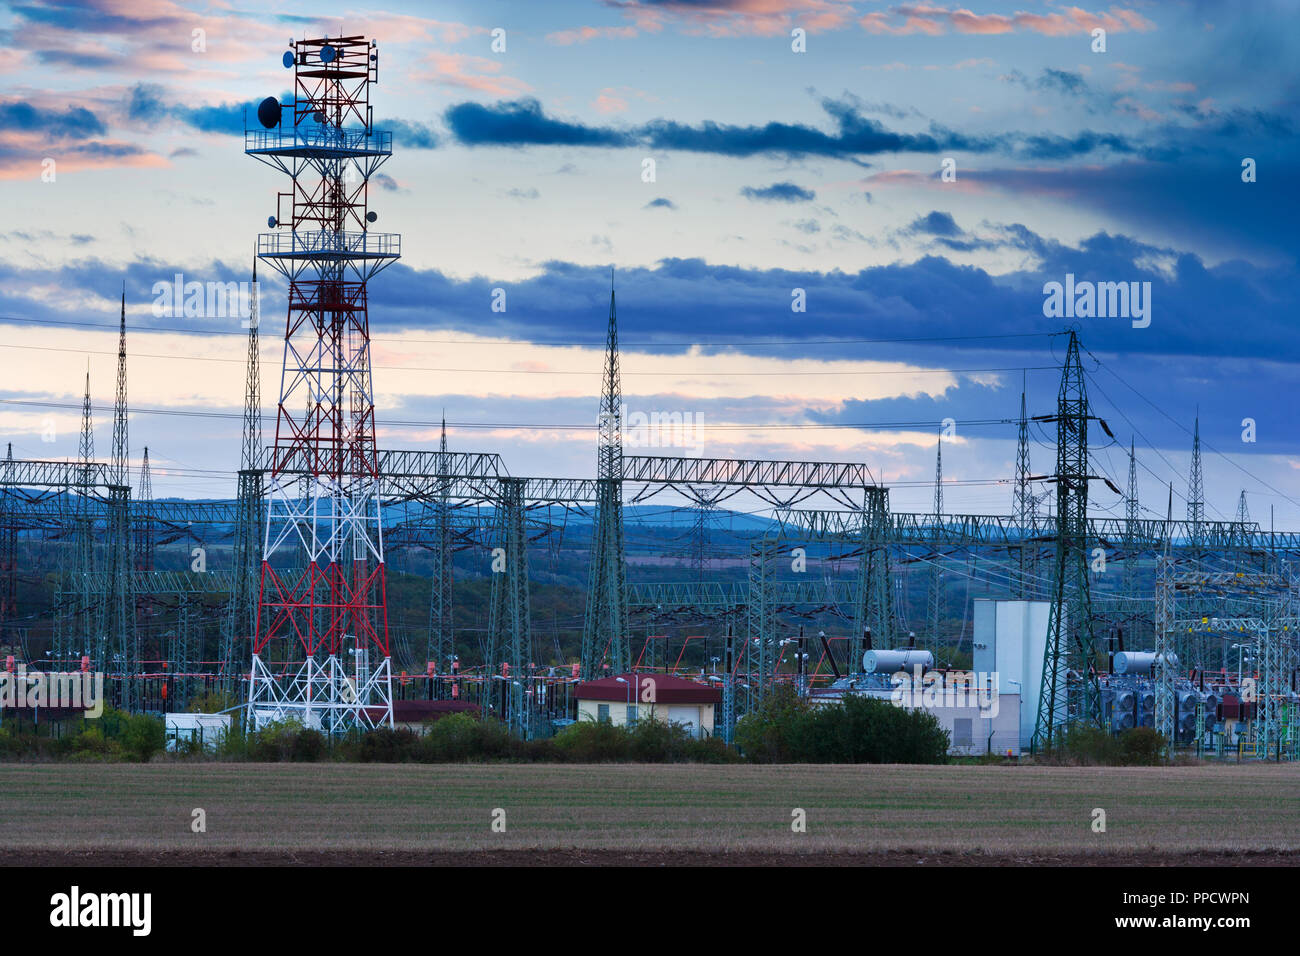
320	649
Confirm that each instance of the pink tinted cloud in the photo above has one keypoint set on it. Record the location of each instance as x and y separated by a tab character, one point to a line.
468	72
728	18
609	101
932	20
583	34
24	155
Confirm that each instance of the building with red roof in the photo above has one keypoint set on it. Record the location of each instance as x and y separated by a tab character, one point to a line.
626	698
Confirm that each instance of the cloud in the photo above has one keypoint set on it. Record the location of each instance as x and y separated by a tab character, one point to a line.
73	122
661	203
409	135
935	224
779	192
522	123
854	135
729	18
932	20
468	72
32	136
583	34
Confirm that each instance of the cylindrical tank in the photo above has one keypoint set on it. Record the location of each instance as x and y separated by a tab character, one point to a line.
1139	662
890	662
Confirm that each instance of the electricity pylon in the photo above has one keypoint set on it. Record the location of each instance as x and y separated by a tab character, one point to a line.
604	633
1070	692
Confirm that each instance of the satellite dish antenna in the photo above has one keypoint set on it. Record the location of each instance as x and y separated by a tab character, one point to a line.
270	221
371	216
318	116
268	112
287	59
327	54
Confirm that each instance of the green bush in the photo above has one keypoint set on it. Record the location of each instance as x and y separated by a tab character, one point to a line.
1083	745
143	736
786	729
92	744
458	738
709	750
1142	747
383	745
1088	746
308	746
593	741
280	740
763	734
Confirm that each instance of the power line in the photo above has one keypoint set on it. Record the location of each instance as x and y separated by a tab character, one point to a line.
1183	427
712	373
570	342
536	426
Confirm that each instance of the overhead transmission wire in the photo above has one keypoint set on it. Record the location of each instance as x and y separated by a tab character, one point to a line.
595	343
1204	443
712	373
1178	476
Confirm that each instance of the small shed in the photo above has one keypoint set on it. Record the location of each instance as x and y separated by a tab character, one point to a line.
626	698
205	730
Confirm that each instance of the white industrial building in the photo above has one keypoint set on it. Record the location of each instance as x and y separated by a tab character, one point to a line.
1009	640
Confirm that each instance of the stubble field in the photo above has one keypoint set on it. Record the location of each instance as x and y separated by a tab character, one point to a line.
344	813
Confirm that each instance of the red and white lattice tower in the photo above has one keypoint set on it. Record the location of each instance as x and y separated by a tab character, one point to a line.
320	651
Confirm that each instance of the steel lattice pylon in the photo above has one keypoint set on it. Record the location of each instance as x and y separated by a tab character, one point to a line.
322	591
761	641
442	643
241	613
874	589
1070	692
509	617
604	633
1024	508
934	592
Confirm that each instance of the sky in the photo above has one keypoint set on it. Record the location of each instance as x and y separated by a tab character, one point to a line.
913	175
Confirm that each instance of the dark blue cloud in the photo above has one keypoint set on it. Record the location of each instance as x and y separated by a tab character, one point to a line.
661	203
779	192
148	103
1228	326
522	123
935	224
74	122
408	134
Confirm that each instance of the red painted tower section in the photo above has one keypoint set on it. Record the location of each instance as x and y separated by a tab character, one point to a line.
320	653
